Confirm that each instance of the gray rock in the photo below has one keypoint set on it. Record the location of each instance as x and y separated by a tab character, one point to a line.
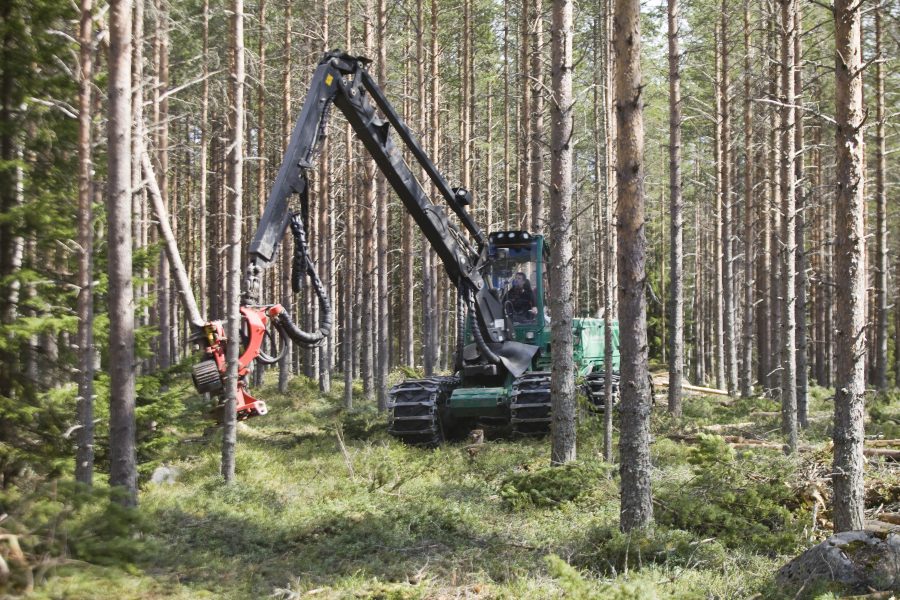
165	474
858	561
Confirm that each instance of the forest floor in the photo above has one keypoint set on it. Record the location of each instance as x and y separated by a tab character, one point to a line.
327	505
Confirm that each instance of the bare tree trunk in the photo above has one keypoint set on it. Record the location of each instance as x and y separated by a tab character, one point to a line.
326	235
161	135
611	275
634	442
881	253
562	308
849	500
800	227
382	332
140	213
506	118
728	273
788	230
524	136
370	229
676	206
746	374
203	242
235	210
775	243
537	118
123	460
84	454
287	297
719	250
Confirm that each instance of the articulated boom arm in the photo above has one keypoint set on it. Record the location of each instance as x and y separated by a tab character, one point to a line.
343	81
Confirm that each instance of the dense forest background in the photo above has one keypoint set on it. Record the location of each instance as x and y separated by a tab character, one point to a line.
472	81
471	78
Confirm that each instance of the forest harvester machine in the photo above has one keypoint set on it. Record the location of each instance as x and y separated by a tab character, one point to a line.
502	364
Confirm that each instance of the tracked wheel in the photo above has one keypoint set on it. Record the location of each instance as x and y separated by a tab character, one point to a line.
207	378
595	390
529	407
414	409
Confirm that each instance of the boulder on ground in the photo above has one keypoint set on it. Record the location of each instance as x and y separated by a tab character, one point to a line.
855	561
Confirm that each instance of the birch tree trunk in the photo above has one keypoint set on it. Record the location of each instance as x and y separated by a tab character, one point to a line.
634	444
235	213
849	499
122	456
562	308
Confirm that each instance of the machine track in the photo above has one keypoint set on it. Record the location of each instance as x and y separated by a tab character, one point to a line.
595	389
529	405
414	408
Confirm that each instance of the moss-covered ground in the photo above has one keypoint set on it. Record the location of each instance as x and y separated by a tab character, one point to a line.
327	505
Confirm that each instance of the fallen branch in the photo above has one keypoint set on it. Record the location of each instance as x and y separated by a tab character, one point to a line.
741	443
723	426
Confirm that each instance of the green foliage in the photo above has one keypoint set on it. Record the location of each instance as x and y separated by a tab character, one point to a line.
610	551
568	578
550	486
575	586
61	518
742	501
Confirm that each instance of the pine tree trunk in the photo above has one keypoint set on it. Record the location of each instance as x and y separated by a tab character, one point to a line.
203	219
719	282
84	454
611	261
849	280
165	355
634	444
235	214
746	373
788	230
524	137
562	308
507	217
326	234
140	212
369	276
122	456
537	118
881	252
287	297
775	242
676	207
728	274
800	228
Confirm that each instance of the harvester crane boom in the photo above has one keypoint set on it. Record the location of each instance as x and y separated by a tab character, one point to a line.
342	80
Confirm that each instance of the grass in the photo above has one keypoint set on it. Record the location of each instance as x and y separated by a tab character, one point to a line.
382	520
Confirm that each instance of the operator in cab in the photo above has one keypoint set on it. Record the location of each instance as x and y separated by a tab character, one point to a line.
521	299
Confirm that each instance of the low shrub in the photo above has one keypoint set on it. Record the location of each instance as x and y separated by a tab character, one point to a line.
550	486
739	501
609	551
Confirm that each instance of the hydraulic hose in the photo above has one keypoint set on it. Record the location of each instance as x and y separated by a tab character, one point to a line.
302	266
460	328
